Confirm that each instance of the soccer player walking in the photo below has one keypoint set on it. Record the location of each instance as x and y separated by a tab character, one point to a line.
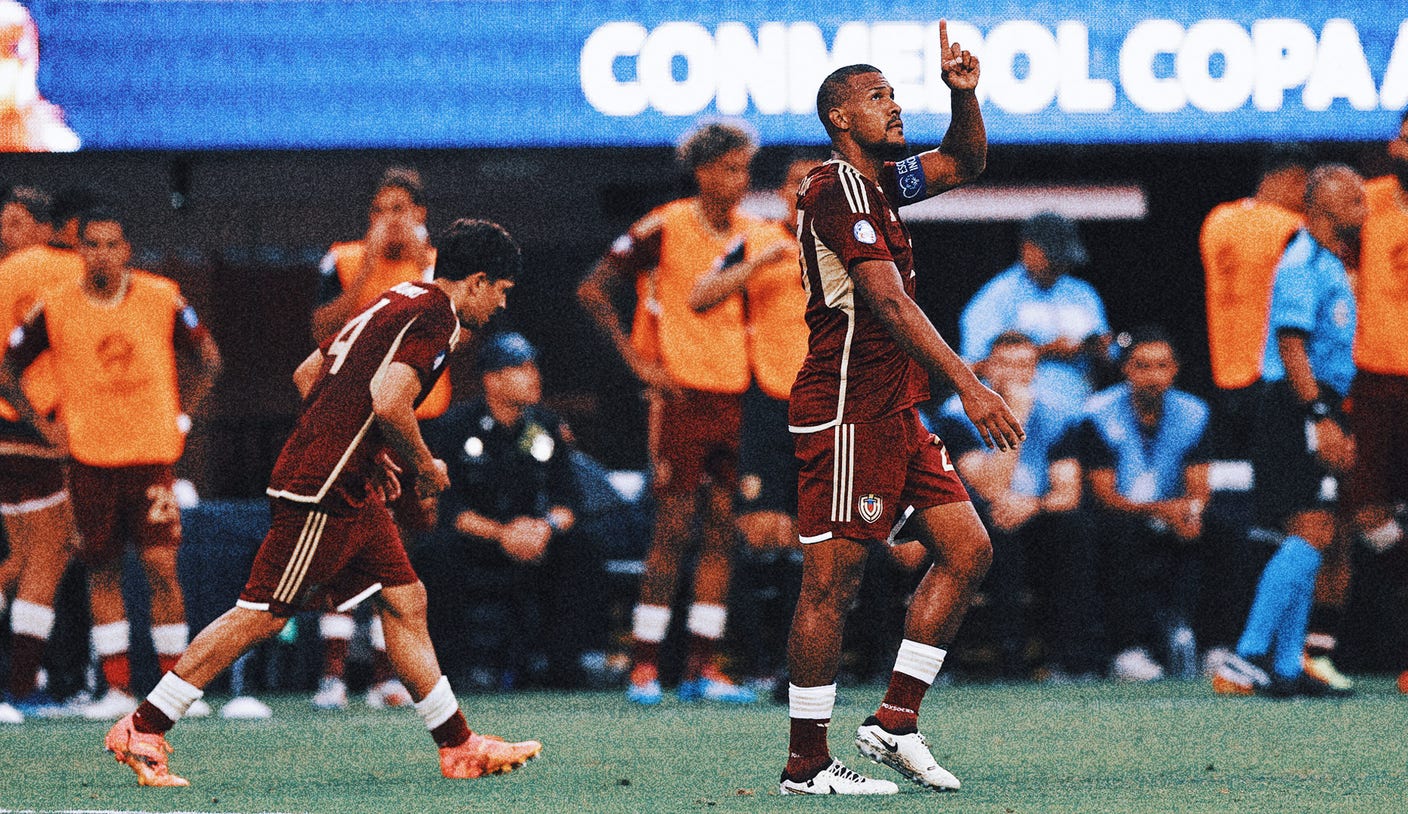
333	542
867	461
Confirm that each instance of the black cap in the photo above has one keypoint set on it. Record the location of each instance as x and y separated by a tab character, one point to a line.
1057	238
503	350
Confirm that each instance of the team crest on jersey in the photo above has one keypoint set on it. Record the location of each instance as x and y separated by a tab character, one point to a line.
864	232
869	507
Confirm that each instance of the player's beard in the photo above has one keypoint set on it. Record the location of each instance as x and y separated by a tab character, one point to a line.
884	149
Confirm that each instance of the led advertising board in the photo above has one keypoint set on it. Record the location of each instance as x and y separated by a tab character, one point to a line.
218	74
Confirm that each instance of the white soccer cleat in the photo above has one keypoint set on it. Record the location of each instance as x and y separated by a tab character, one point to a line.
390	693
837	779
331	694
907	754
10	715
1135	665
198	709
246	708
113	705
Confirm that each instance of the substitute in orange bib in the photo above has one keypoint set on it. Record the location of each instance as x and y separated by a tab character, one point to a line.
34	498
130	359
694	365
1378	483
1241	242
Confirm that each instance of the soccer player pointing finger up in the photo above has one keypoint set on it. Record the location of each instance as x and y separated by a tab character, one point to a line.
867	462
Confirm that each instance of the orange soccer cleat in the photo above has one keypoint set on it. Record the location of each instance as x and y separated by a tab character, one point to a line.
1403	682
486	754
145	754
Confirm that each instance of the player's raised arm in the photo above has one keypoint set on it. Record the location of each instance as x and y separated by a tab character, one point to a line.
878	284
964	152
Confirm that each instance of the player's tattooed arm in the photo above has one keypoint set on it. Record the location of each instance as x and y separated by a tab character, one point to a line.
393	403
879	286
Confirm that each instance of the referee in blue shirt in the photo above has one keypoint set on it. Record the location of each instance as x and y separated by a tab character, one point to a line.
1298	439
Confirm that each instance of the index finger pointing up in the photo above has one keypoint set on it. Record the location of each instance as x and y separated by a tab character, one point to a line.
943	37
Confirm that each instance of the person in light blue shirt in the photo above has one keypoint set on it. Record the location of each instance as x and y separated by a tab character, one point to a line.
1042	547
1038	297
1144	448
1298	440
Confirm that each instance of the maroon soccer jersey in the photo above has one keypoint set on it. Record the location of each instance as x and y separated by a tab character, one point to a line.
855	372
334	445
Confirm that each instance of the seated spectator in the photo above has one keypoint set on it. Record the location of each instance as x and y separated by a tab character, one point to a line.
1144	448
1028	502
505	550
1037	296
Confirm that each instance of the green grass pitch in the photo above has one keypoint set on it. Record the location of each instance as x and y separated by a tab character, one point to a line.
1169	747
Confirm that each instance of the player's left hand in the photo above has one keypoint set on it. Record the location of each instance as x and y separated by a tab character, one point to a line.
960	68
996	424
387	479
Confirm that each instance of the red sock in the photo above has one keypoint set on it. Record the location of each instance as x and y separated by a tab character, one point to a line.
26	652
335	657
453	732
807	752
701	655
381	667
646	654
117	670
167	661
150	719
899	711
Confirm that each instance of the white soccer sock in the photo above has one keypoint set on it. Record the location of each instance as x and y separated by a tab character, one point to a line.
110	639
170	640
706	620
919	660
439	706
173	696
811	703
377	634
336	626
31	619
649	623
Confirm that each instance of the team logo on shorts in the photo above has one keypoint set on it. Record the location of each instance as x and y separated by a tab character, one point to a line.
870	507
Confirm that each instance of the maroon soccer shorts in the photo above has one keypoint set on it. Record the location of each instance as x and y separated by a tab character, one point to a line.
112	505
694	440
1380	474
30	484
314	560
857	480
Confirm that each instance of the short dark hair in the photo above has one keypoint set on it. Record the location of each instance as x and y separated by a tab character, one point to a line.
834	90
1285	155
99	214
711	141
38	203
470	246
73	202
1009	338
1145	335
407	178
1321	175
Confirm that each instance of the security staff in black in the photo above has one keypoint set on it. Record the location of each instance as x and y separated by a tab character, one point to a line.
515	592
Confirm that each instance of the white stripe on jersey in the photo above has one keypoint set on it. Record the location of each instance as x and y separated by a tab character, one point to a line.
855	185
837	291
362	433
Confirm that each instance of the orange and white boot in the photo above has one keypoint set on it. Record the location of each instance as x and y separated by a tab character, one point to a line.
486	754
144	753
